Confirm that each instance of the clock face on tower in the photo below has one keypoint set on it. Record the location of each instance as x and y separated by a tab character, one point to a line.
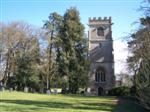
100	31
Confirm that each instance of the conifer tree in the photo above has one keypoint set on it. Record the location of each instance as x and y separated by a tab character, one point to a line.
74	49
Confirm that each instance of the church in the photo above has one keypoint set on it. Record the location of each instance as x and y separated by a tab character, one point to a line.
101	56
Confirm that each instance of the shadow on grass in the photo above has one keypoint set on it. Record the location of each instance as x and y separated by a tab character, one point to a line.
103	106
128	106
38	105
8	108
84	96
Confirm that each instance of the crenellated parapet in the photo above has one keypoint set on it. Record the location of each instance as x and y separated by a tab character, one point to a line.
94	19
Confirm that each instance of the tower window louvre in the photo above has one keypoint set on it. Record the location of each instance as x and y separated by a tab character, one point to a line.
100	31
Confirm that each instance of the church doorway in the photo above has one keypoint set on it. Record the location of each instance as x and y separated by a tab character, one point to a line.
100	91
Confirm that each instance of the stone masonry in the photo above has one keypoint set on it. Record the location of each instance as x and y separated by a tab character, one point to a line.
101	56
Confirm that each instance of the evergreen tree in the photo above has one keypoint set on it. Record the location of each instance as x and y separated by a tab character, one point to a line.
74	49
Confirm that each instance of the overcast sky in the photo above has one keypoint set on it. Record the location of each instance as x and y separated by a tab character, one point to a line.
123	12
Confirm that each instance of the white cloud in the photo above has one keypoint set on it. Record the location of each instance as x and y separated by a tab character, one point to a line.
120	56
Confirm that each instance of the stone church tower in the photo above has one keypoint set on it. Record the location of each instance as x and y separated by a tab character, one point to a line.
101	55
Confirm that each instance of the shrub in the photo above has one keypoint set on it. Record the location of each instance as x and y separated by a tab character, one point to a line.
120	91
133	91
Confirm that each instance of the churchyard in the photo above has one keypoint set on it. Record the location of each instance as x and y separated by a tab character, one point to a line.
33	102
87	49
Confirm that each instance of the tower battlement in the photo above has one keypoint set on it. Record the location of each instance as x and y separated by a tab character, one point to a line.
100	19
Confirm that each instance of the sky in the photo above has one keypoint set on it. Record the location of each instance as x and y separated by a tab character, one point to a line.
123	12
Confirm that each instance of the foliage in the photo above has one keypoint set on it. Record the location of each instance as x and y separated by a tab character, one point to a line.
74	50
60	61
52	26
126	79
139	62
20	53
67	49
120	91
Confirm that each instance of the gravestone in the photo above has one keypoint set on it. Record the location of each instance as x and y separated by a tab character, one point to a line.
48	92
1	86
55	91
26	89
10	89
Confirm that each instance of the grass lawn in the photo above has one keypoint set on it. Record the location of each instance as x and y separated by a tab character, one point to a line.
27	102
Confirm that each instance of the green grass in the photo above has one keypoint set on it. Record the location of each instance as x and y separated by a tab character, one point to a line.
27	102
127	105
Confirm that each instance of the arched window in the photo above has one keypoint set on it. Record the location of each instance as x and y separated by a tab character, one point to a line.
100	76
100	31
